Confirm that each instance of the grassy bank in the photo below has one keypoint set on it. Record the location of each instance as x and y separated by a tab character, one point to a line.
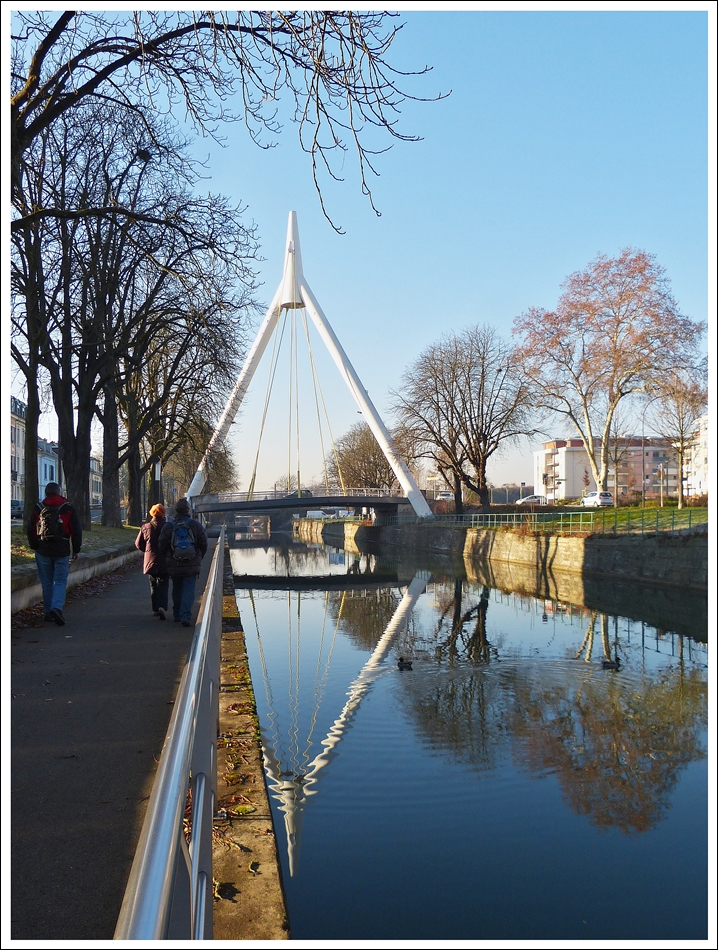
95	540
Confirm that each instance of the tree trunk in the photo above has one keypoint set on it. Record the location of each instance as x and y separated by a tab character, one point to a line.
135	515
111	514
32	419
76	465
484	498
681	461
458	495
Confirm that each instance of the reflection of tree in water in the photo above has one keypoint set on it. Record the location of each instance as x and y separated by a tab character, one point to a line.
364	613
461	634
617	746
467	714
289	557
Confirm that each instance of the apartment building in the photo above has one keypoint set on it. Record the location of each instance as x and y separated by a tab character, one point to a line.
695	466
646	467
18	414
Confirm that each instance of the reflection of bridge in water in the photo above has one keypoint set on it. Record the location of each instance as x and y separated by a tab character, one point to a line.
292	787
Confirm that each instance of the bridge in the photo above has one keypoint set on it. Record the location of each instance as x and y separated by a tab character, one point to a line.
355	499
292	304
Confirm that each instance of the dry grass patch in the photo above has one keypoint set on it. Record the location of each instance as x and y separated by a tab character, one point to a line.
94	540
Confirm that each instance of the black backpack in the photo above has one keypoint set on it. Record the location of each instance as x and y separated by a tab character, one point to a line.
183	542
49	523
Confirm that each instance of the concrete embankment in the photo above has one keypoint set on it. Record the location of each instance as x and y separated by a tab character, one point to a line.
346	535
249	900
25	586
659	579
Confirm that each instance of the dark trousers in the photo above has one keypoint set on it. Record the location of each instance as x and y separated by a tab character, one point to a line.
183	586
159	591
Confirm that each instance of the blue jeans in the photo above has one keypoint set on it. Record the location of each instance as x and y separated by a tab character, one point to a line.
183	586
53	573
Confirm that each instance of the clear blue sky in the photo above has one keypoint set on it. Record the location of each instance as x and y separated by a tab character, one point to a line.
567	134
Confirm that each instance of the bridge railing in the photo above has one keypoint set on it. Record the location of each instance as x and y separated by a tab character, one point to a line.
273	494
169	893
604	521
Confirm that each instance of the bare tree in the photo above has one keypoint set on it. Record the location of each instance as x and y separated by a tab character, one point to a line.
675	415
462	400
331	66
179	467
108	303
615	331
359	462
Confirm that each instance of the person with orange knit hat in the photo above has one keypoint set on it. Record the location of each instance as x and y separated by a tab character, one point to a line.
155	565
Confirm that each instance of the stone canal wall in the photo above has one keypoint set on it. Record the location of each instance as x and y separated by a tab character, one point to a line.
680	560
347	535
660	580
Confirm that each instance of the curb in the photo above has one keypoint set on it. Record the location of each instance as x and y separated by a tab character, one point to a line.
249	898
25	587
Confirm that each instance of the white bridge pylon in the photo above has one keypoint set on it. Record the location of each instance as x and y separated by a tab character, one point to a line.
294	293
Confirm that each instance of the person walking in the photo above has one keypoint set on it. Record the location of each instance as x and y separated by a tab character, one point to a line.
155	564
53	528
183	542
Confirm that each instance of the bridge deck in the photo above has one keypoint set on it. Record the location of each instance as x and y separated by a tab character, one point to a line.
268	501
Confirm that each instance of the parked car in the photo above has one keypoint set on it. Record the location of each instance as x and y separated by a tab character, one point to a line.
532	500
597	499
444	496
18	508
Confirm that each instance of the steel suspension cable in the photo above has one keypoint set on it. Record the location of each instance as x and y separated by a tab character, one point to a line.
270	385
317	385
316	403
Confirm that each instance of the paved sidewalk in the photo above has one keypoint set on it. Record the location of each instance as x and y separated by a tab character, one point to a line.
91	702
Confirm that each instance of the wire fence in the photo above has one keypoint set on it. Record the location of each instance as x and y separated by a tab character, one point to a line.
612	521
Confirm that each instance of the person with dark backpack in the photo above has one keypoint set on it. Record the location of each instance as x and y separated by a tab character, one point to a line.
54	527
183	543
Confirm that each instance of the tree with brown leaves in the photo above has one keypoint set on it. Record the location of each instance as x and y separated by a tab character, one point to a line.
616	331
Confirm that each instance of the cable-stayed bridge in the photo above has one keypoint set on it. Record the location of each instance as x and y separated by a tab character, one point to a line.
294	297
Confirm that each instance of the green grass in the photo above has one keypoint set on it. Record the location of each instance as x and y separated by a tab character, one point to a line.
99	537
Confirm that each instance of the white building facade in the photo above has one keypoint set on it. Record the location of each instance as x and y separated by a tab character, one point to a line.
695	466
18	414
638	468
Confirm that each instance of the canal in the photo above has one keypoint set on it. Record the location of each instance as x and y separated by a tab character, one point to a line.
503	782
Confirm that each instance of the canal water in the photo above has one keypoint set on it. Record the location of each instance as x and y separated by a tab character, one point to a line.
505	786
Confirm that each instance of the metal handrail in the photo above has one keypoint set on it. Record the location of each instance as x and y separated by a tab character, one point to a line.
169	891
606	521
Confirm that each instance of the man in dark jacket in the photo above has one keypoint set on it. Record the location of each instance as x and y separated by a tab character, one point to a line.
183	542
54	525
